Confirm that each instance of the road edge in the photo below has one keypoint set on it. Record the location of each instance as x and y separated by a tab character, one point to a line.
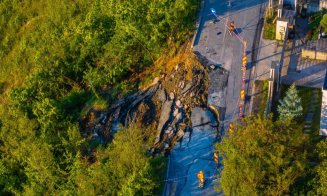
198	22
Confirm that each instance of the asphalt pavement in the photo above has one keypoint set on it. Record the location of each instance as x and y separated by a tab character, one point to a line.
214	41
225	50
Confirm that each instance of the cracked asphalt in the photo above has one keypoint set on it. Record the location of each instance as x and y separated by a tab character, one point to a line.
213	40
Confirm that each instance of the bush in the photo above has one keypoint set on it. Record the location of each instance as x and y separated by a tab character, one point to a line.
269	29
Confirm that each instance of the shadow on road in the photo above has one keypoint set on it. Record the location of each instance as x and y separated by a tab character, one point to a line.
222	9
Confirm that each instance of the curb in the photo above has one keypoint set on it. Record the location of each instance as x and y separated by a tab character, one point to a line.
198	22
167	173
254	59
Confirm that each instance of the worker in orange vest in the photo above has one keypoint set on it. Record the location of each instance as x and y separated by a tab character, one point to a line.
216	157
200	176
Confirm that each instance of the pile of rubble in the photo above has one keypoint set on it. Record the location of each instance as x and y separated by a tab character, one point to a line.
166	105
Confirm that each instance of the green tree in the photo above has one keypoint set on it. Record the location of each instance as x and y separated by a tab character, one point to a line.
320	170
290	106
29	160
55	56
123	168
323	22
261	157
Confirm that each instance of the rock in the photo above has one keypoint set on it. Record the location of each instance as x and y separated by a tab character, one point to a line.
166	145
182	125
175	112
116	113
181	84
103	118
170	131
171	96
97	129
179	117
187	88
180	133
162	96
203	60
185	107
155	81
164	117
176	67
203	119
217	98
178	103
115	127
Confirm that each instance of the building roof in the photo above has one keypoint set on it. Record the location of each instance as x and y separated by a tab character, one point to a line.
317	45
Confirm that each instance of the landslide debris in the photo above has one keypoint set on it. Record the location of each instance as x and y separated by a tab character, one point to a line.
165	105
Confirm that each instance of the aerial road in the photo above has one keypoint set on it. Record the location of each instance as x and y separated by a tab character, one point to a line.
223	49
214	41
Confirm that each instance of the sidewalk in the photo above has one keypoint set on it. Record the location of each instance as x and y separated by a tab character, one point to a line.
268	52
301	72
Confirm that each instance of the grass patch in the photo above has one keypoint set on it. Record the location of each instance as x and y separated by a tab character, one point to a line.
269	31
99	104
260	96
269	28
263	101
122	89
306	94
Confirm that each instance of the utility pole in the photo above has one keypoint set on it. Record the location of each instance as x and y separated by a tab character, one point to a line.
270	7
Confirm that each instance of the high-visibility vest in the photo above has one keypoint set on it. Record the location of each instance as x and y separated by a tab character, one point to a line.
215	156
200	176
231	26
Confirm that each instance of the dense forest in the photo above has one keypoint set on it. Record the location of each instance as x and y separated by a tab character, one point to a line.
57	57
